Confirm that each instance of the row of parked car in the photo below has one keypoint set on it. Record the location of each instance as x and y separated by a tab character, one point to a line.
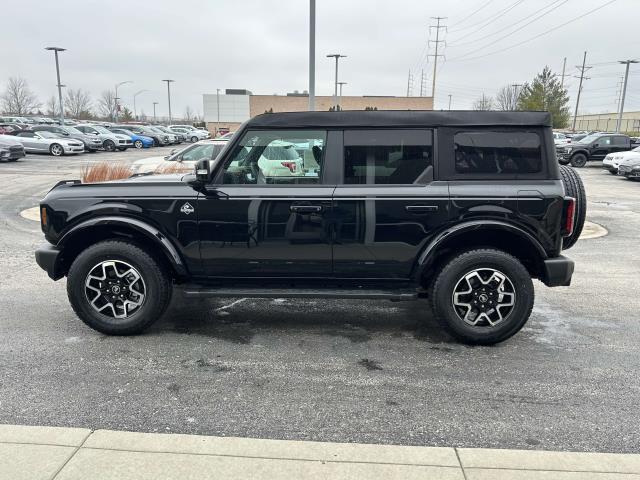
595	146
60	140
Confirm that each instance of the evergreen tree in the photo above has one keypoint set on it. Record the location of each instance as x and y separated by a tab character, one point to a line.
544	93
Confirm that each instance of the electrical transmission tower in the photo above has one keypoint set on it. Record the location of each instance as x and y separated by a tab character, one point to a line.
423	84
435	56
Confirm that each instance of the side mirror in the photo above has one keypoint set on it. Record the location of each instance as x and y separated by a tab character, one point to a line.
203	171
595	145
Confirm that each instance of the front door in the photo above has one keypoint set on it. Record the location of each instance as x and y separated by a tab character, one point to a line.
602	149
387	204
265	214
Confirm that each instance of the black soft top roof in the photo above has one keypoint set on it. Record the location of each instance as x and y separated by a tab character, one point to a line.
399	118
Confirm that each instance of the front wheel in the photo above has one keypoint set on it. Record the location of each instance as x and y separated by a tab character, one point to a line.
194	139
109	146
138	144
482	296
56	150
117	288
579	160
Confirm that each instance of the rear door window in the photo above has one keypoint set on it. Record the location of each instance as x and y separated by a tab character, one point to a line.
388	157
495	154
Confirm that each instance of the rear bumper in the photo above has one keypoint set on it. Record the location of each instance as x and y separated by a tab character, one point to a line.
48	258
558	271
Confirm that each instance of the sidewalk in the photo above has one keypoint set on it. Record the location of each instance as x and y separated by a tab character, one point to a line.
49	453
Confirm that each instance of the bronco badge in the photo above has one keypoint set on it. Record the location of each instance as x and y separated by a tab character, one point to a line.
187	208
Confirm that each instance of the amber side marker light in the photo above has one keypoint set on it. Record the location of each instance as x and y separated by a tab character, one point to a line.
43	216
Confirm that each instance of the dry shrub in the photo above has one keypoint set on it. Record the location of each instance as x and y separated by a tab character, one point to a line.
173	167
104	171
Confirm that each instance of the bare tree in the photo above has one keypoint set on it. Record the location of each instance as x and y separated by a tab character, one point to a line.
188	114
107	105
507	98
53	110
484	103
78	103
18	97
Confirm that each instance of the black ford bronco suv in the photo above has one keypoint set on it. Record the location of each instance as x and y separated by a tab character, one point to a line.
463	208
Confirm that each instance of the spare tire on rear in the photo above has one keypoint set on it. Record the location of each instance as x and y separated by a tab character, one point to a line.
573	187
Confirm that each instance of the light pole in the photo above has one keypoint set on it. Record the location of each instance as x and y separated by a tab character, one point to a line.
624	91
169	96
115	115
135	112
312	55
337	56
154	111
340	96
55	51
450	101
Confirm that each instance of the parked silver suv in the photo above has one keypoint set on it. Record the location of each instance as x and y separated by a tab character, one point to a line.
110	141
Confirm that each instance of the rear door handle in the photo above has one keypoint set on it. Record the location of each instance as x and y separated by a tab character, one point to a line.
421	208
306	208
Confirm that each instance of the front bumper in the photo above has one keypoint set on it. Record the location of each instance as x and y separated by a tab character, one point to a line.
557	271
73	149
628	172
48	258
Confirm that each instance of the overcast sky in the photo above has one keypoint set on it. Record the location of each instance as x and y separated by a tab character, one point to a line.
262	45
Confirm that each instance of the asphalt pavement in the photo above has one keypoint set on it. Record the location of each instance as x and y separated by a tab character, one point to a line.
330	370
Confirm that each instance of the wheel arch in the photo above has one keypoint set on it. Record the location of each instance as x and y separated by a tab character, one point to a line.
481	234
92	231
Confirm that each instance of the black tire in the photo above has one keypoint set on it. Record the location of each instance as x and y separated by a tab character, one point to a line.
56	150
563	161
573	187
443	288
109	146
194	139
579	160
122	149
138	144
157	287
613	172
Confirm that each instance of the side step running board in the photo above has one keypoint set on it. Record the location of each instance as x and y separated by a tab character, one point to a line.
205	292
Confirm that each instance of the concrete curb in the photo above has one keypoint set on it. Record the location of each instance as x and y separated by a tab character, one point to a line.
28	453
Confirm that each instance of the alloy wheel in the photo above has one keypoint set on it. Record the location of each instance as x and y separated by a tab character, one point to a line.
56	150
115	289
137	144
483	297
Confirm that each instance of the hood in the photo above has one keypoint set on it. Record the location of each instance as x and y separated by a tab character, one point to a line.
9	140
164	178
149	161
632	161
120	136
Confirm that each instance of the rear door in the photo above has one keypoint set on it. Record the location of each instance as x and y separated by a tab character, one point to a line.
268	217
387	202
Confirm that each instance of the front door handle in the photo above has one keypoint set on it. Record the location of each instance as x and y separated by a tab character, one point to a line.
421	208
306	208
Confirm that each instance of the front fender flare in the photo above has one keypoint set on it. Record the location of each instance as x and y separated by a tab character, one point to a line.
426	257
144	228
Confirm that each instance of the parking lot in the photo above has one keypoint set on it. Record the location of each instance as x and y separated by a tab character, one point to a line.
330	370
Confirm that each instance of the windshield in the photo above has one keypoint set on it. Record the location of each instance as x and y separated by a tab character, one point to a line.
101	129
124	131
590	138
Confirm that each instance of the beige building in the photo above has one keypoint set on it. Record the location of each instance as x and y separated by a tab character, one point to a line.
226	112
607	122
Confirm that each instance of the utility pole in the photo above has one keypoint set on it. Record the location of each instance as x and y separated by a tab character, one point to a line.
55	51
619	93
154	111
516	94
582	70
564	66
337	56
115	115
312	55
340	94
435	56
410	84
169	96
449	101
624	90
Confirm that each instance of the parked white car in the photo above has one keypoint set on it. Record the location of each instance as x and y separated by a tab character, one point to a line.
47	142
180	161
612	161
192	133
110	141
560	138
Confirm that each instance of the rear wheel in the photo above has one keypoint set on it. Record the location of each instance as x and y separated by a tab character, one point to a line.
574	187
579	160
482	296
117	288
56	150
